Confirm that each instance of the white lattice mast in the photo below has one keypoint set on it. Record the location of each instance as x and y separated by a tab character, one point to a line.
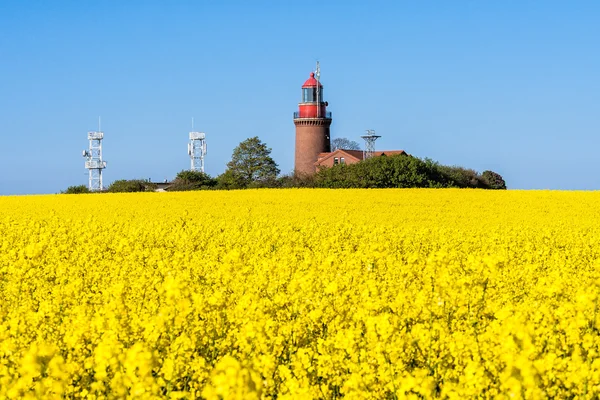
318	76
93	159
197	149
370	139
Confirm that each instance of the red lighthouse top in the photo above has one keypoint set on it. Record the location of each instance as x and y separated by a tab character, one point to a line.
311	82
312	104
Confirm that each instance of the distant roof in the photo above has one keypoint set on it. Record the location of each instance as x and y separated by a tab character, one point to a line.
357	154
311	82
389	152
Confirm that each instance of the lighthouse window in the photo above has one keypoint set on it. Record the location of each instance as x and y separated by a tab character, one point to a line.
309	95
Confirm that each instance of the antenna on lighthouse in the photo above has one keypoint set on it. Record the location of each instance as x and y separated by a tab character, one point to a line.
93	155
197	149
318	75
370	137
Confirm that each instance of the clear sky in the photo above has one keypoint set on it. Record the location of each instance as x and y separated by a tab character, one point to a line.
511	86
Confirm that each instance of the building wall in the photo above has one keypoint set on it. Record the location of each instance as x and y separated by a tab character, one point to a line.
312	138
350	157
330	162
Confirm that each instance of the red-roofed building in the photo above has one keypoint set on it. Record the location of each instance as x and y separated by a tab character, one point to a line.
341	156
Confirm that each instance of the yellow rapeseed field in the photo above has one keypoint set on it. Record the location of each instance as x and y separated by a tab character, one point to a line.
301	294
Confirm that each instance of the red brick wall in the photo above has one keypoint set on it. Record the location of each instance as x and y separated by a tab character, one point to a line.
312	138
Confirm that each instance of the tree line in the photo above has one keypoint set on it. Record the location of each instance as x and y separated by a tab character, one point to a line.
252	166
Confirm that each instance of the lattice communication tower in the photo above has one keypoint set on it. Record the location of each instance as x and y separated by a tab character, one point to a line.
93	159
370	139
197	150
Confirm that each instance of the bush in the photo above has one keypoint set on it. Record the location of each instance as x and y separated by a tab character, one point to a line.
296	180
229	180
399	171
269	183
198	177
130	186
192	180
493	180
462	177
79	189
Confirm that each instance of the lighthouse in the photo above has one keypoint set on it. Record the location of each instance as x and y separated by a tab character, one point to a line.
312	122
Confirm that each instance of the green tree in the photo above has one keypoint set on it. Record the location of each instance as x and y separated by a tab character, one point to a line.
250	162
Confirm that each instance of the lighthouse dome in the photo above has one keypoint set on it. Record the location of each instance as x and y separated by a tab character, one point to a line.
311	82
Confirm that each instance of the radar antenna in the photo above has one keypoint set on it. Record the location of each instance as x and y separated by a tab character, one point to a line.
370	137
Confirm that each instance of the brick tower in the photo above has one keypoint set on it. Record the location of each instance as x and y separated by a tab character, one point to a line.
312	122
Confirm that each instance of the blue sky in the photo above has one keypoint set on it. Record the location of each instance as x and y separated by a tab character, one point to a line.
511	86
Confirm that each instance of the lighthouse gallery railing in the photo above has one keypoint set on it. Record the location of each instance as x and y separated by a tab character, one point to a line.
297	114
